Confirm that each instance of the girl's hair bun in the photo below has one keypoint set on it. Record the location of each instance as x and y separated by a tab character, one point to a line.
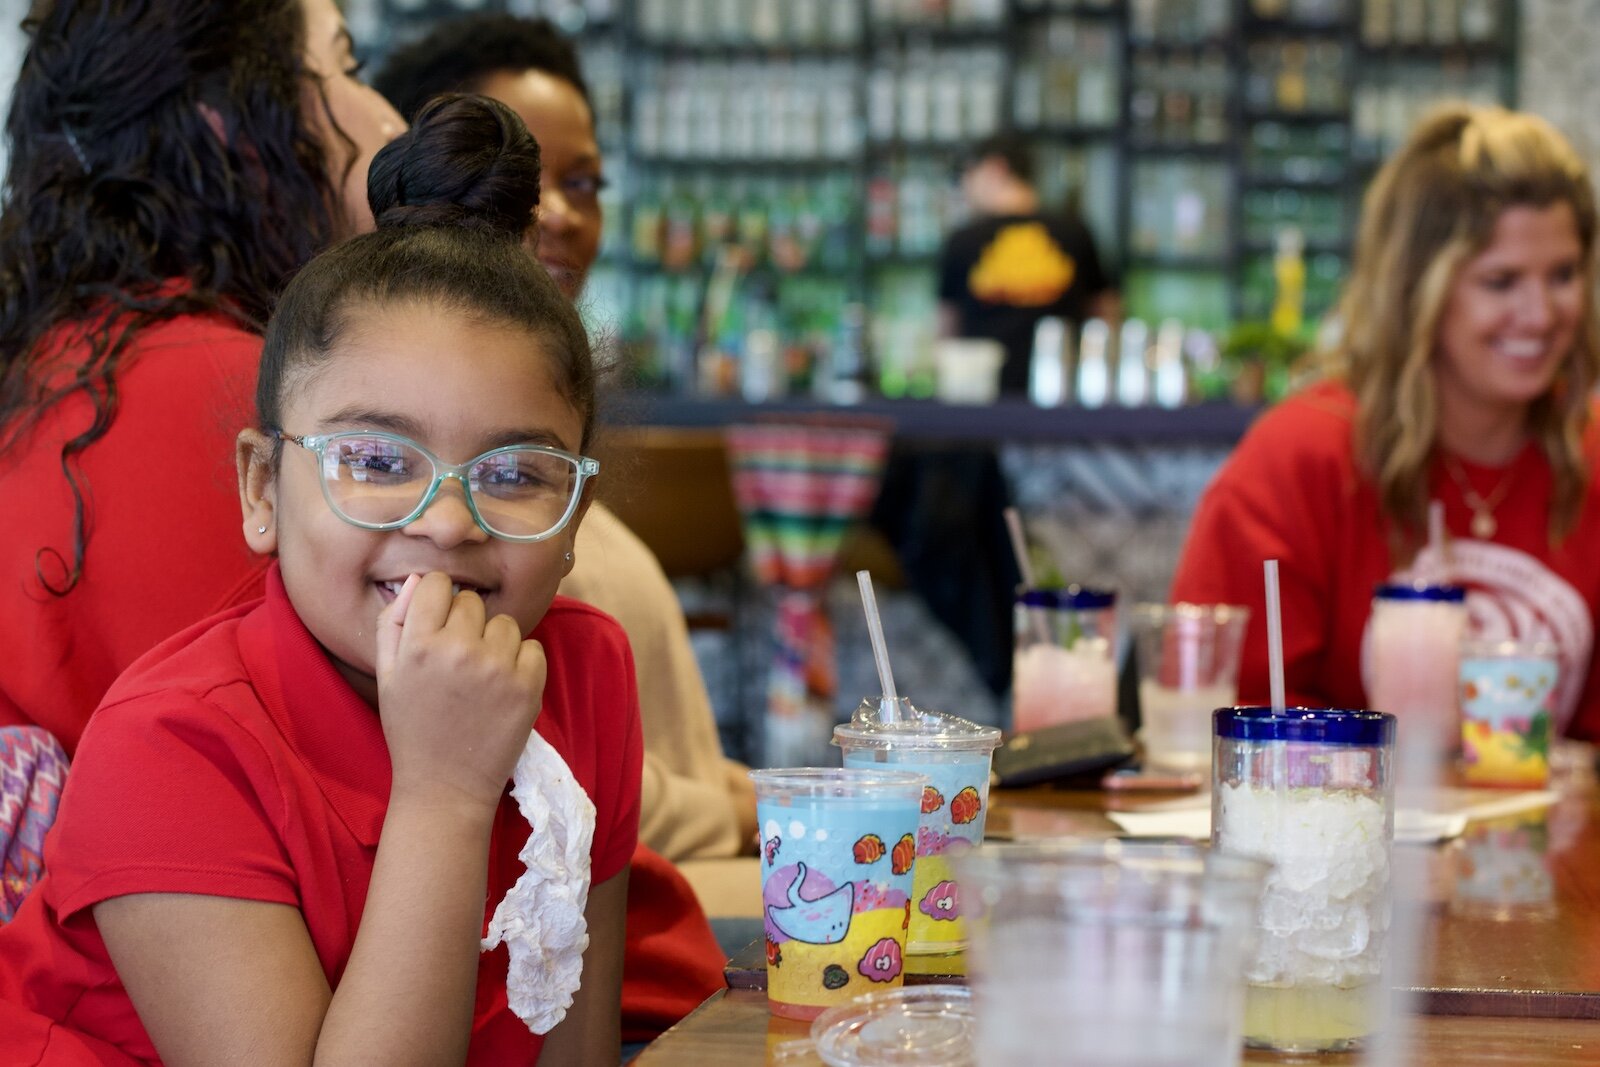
467	162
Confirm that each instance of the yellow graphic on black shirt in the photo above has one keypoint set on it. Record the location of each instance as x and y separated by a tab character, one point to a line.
1022	267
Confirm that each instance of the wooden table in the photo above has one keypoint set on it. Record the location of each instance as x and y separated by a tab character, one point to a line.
734	1029
1510	973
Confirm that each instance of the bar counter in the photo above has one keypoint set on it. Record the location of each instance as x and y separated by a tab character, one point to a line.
1004	420
1511	972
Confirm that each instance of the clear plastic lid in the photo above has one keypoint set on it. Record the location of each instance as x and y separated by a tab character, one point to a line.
1508	648
923	1026
872	727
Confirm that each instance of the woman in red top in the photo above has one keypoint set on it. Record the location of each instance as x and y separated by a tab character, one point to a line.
283	824
1470	350
170	168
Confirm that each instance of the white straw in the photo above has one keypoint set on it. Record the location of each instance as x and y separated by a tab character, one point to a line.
880	650
1019	546
1274	638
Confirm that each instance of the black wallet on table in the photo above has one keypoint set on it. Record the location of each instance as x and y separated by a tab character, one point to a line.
1070	750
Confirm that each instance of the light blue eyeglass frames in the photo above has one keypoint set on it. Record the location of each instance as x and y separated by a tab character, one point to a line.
382	481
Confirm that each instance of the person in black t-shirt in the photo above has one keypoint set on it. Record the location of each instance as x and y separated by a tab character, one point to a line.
1014	264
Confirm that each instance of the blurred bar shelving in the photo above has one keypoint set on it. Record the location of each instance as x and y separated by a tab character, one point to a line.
1002	421
822	137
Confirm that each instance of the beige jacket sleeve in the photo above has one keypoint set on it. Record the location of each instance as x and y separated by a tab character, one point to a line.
686	809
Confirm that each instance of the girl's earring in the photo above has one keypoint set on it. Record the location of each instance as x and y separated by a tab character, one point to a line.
261	529
569	557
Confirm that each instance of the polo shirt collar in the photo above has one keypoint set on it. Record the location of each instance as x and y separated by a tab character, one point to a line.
329	727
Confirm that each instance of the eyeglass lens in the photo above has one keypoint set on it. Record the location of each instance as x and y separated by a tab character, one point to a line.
377	481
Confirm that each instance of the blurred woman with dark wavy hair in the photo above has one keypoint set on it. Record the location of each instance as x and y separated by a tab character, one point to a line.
171	166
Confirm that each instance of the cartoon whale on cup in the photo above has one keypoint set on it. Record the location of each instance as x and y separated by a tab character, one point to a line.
823	921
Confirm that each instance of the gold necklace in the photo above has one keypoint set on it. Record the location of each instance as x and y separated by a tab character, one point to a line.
1483	520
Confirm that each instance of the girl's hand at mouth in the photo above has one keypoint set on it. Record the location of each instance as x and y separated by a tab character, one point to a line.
458	693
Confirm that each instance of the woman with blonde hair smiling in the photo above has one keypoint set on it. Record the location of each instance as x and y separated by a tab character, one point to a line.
1464	373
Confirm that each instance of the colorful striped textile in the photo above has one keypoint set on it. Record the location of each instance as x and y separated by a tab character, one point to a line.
33	768
800	485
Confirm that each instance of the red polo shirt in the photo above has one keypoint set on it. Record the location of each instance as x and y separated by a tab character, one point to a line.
235	761
164	542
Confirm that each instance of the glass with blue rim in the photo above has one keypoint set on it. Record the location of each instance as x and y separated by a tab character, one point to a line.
1412	655
1312	792
1064	663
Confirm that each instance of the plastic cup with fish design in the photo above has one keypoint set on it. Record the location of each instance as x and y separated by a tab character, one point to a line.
955	755
838	847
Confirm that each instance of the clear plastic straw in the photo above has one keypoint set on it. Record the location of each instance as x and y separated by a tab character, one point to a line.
1274	638
880	650
1019	546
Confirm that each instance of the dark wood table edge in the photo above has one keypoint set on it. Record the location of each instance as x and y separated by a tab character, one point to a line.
1509	1003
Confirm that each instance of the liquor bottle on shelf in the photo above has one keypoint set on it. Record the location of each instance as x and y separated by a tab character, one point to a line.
1410	22
1377	22
1177	101
680	231
1289	274
1144	100
882	209
751	222
645	227
1133	365
717	219
1093	386
1480	21
1290	87
1098	88
1211	98
1049	364
1169	378
846	378
760	377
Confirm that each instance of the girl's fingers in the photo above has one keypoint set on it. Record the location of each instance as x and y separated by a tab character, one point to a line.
467	615
504	636
430	603
391	622
531	663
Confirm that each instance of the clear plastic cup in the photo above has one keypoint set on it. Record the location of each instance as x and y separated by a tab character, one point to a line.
1188	667
1312	792
1506	688
1413	653
1064	667
1109	953
837	851
955	755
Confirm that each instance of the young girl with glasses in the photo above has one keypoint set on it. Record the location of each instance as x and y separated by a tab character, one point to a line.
284	824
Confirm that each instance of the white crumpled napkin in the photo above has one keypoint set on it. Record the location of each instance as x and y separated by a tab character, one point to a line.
541	918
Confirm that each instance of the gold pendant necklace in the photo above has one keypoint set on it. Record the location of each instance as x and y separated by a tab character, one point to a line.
1483	525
